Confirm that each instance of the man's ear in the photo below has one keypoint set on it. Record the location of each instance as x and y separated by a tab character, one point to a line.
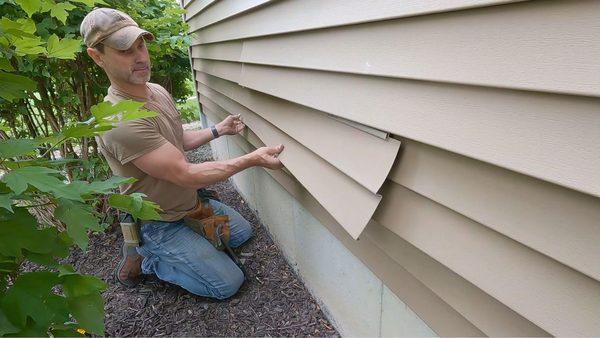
96	56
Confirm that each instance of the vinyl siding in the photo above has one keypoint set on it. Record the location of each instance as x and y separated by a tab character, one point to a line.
466	161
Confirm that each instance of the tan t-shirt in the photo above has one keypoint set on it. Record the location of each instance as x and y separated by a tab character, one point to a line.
132	139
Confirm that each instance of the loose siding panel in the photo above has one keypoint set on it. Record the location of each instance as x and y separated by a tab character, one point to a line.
347	201
527	132
490	217
324	136
470	301
523	131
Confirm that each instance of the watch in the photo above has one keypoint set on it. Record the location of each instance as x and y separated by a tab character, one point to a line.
214	131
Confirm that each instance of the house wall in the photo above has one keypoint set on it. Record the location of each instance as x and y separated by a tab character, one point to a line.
441	156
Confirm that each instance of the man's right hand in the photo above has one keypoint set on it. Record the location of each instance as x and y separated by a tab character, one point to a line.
267	157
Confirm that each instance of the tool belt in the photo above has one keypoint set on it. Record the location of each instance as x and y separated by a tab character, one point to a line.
202	219
215	228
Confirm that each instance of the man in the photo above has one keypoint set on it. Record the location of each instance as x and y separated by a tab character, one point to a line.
152	150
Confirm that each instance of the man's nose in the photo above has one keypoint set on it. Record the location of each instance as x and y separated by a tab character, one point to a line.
141	55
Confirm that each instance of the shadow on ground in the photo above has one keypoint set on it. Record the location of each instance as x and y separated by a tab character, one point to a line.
272	302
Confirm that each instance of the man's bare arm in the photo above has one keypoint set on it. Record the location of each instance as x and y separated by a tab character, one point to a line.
231	125
192	139
168	163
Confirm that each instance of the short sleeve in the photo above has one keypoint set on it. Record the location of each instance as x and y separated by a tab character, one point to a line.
132	139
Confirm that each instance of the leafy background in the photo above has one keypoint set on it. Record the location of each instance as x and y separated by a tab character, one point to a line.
54	187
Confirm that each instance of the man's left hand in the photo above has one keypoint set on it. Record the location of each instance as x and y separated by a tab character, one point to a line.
231	125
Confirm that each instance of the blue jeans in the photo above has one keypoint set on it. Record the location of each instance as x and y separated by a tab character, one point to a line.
179	255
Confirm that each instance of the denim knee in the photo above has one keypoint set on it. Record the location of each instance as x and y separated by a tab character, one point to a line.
230	286
243	233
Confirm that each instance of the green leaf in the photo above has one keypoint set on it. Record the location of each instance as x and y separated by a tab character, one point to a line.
6	201
18	179
14	147
14	86
5	65
46	5
135	205
40	162
106	186
60	11
84	130
40	177
18	232
18	28
29	6
78	217
84	301
89	3
41	259
52	139
76	285
4	127
89	312
29	46
31	329
126	110
106	108
62	49
66	269
31	295
6	326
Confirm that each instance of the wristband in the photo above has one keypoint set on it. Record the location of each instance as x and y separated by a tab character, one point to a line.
214	131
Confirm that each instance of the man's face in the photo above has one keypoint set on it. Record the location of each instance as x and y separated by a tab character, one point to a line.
131	65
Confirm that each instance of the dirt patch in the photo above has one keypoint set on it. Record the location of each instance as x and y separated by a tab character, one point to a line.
272	302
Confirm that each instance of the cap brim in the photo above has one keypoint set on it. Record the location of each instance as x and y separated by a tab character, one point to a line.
125	37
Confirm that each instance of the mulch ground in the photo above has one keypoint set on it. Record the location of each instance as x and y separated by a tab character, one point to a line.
272	302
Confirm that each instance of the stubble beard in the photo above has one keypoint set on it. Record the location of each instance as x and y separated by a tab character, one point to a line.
136	78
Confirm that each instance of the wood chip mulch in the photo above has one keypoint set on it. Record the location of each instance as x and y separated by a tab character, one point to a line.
272	302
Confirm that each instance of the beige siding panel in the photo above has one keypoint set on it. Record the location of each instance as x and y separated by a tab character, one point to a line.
312	14
349	202
556	298
528	132
440	316
195	6
321	134
375	132
222	10
216	113
492	317
559	222
226	51
542	46
239	140
231	71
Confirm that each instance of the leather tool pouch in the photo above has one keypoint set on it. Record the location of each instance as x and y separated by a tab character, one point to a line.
215	228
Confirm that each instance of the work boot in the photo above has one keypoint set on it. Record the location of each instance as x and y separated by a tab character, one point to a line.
129	270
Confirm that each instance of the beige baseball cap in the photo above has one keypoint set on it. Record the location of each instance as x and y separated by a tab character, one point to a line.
112	28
